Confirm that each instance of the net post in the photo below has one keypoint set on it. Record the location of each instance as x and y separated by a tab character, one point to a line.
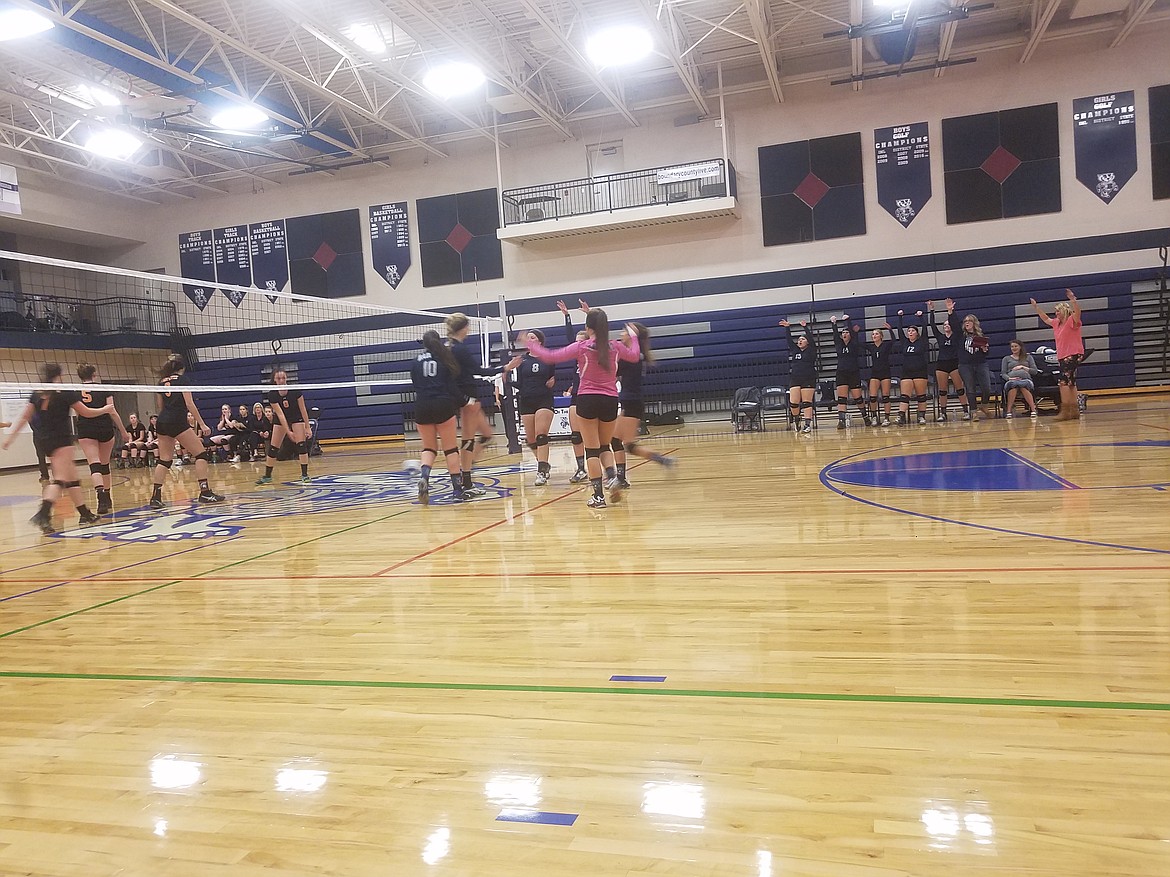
508	397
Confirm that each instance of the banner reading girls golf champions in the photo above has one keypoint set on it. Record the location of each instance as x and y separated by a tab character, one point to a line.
1105	142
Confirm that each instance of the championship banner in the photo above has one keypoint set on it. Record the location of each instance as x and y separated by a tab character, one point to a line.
197	262
1105	142
233	260
903	170
9	190
269	252
390	241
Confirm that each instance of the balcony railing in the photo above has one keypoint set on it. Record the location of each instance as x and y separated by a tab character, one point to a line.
77	316
643	188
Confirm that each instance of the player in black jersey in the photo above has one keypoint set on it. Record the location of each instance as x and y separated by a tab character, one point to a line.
915	350
175	404
578	442
802	377
536	380
291	419
134	449
51	431
849	349
434	374
95	435
879	377
474	421
633	407
946	368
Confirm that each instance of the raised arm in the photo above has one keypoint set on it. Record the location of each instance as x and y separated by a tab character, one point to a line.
1076	306
1040	312
898	332
570	332
561	354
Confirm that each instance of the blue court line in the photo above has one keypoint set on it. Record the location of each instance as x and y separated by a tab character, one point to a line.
536	817
637	678
95	575
1038	468
825	480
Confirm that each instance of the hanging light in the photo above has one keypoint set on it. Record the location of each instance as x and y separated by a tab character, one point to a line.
619	45
453	79
240	117
18	23
113	143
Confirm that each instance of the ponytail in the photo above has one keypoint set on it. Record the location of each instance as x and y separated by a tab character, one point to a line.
50	371
85	371
172	366
435	347
599	323
456	322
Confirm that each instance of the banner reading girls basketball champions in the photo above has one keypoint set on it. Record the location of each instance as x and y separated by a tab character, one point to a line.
902	154
1105	142
390	241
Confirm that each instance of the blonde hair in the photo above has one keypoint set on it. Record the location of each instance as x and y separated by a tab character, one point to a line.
457	322
1063	310
974	322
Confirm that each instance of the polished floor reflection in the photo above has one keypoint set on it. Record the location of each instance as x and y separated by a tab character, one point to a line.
869	653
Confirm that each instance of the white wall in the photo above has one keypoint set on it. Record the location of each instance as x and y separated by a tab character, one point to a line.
732	247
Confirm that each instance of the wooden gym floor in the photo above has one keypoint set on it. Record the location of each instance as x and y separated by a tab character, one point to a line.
938	650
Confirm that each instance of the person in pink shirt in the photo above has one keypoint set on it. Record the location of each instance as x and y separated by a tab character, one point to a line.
597	396
1070	351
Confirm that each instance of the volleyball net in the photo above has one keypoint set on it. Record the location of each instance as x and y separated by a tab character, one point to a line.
351	358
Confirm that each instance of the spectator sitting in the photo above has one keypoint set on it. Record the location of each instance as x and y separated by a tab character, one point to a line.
240	434
261	430
1017	370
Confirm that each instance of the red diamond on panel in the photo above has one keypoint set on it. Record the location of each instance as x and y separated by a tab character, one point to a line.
811	190
325	256
1000	165
459	238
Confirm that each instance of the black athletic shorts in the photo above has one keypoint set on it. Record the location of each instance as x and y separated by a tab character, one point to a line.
882	374
46	444
531	406
633	408
432	412
913	374
594	406
850	379
173	428
102	432
948	366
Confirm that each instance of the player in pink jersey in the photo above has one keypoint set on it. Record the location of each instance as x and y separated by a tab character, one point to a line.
1070	351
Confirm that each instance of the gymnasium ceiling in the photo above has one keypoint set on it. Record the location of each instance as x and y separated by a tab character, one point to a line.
335	103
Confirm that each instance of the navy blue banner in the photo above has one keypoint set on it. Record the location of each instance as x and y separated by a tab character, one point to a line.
903	170
1105	142
197	262
269	249
233	260
390	241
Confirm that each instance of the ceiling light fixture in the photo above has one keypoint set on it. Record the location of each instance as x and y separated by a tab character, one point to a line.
366	37
113	143
97	97
619	45
453	79
239	117
18	23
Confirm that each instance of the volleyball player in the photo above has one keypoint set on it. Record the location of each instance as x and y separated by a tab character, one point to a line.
849	349
95	435
435	374
292	419
474	421
1070	351
915	352
134	448
946	368
633	407
802	378
880	382
536	380
597	403
51	431
176	431
575	438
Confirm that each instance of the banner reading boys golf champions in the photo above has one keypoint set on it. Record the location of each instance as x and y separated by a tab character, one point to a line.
1105	142
902	154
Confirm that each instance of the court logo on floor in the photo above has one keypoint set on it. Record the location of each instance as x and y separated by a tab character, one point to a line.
328	493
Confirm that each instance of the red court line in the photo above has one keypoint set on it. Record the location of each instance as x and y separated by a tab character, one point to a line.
604	573
1155	426
498	523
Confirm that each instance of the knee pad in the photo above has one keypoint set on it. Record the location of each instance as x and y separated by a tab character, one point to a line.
271	452
630	447
302	449
920	399
806	406
592	453
532	447
841	400
962	392
615	444
468	445
95	468
166	464
576	438
542	440
68	484
205	456
483	439
904	399
429	451
450	451
58	483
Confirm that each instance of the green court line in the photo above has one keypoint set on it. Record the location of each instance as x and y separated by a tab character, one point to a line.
812	696
206	572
